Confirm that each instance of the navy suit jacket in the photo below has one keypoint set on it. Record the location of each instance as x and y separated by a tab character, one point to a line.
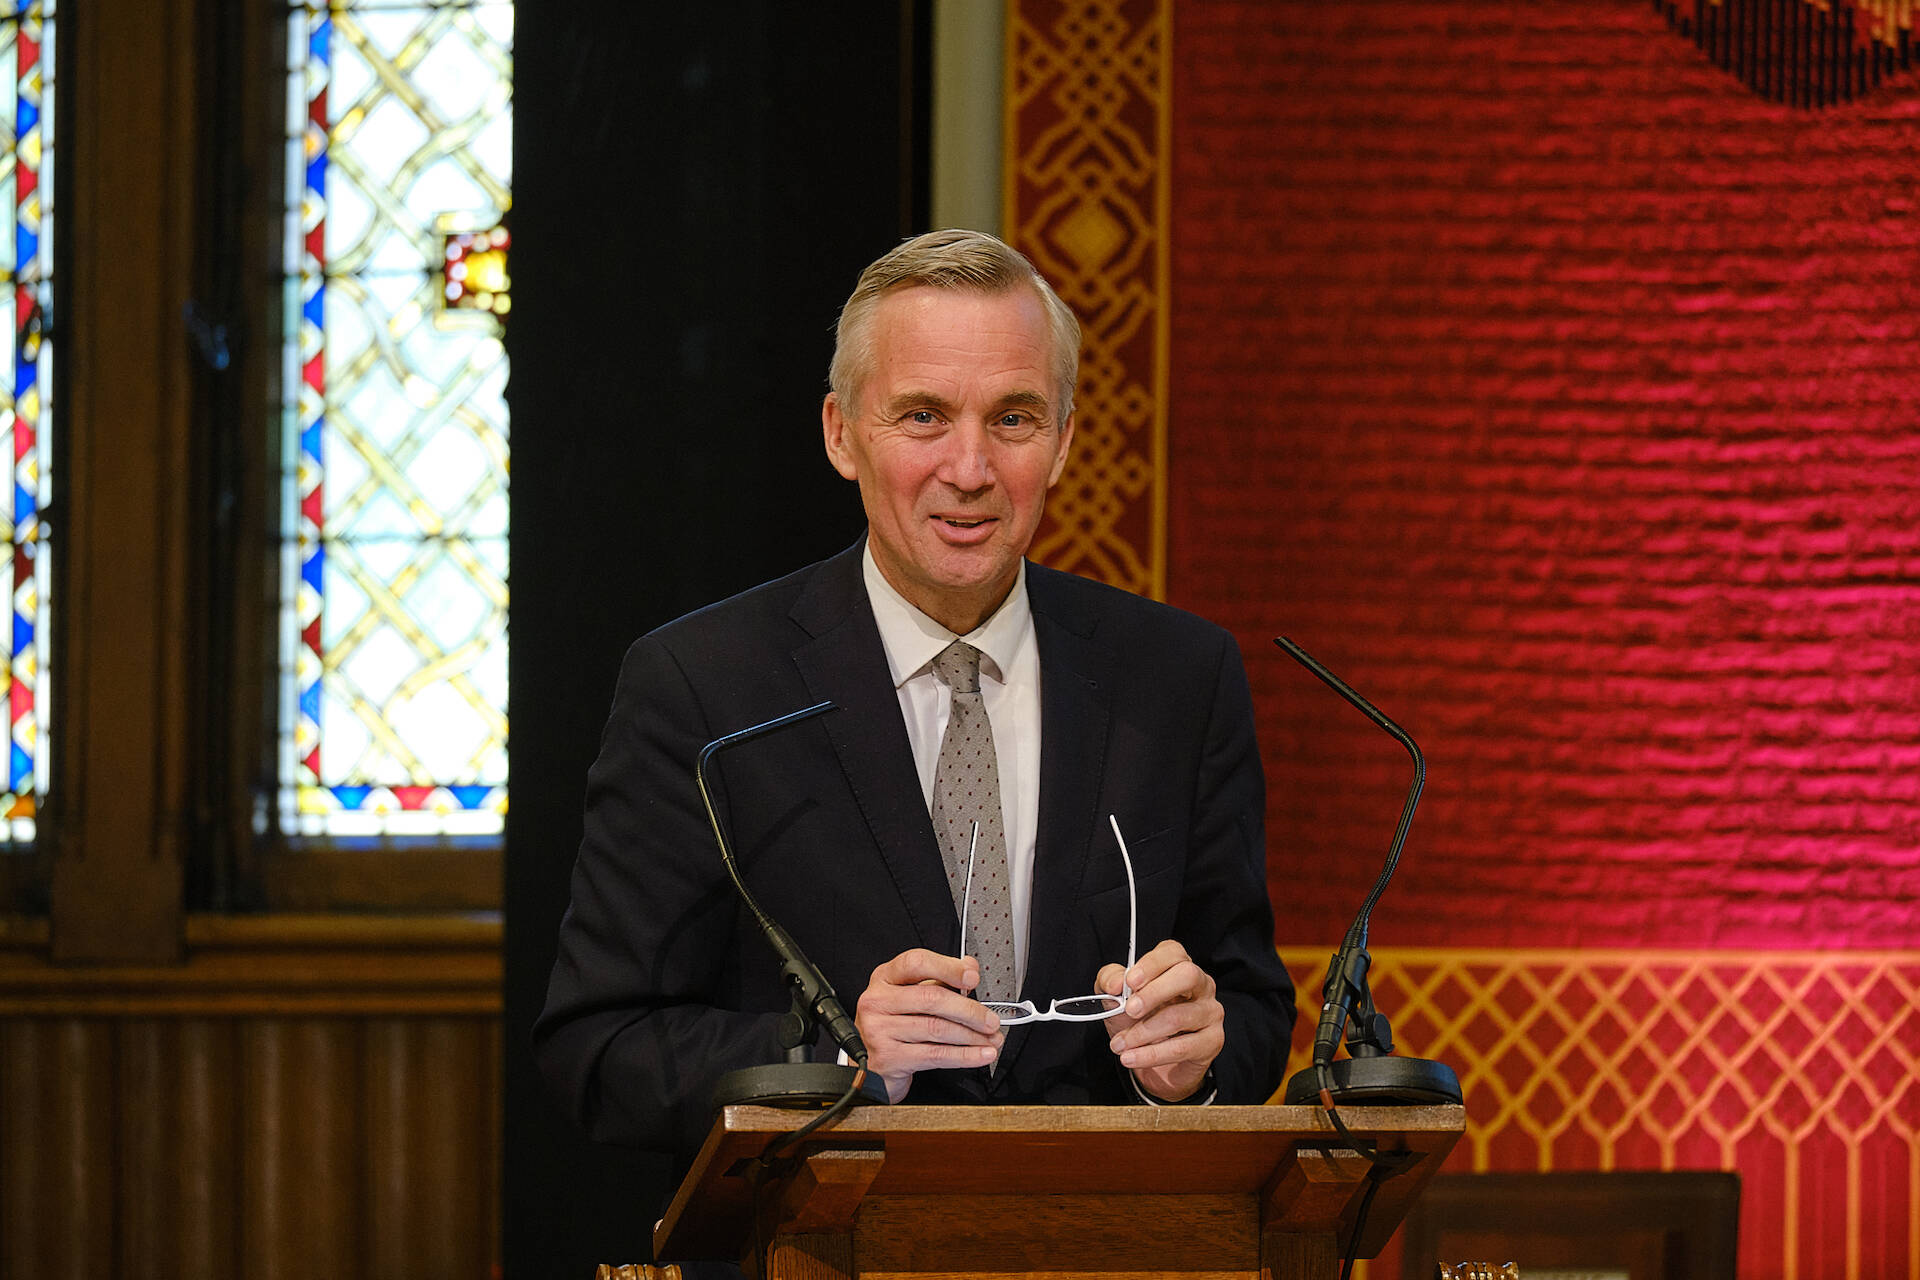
663	980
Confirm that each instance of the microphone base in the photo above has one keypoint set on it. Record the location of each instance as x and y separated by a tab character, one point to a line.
1379	1082
795	1086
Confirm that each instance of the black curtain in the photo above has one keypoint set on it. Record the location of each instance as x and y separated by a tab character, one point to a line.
695	189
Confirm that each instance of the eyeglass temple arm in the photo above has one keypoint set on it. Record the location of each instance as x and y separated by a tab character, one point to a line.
1133	909
966	894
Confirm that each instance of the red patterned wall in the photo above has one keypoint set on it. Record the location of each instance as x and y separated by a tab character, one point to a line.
1561	394
1556	389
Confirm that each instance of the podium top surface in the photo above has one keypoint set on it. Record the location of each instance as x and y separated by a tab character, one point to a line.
1037	1150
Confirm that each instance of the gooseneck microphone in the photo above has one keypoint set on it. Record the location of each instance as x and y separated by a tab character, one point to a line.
795	1082
1371	1074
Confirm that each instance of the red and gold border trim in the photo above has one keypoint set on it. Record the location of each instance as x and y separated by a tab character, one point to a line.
1088	122
1800	1070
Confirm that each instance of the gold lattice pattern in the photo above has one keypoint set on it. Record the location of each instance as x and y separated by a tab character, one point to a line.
1798	1070
400	594
1087	109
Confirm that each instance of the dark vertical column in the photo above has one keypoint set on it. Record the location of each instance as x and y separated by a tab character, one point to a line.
123	776
695	190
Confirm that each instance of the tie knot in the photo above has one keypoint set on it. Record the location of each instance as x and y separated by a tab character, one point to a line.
959	665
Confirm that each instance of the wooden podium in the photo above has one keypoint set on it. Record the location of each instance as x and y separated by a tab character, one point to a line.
1265	1192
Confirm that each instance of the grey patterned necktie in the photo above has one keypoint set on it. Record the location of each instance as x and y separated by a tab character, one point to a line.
966	790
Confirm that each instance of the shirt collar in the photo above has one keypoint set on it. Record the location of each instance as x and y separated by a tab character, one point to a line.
913	640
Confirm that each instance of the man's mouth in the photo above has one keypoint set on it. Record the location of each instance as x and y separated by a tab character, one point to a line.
959	523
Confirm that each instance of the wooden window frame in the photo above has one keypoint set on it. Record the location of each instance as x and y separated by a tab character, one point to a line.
166	553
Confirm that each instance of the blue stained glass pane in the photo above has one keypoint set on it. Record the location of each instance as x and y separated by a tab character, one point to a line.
27	159
395	593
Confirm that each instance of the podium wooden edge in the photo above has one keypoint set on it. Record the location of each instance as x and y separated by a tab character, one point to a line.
708	1215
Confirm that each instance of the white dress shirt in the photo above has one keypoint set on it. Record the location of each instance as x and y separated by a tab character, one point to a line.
1010	687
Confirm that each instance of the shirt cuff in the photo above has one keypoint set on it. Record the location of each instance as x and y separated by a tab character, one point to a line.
1202	1097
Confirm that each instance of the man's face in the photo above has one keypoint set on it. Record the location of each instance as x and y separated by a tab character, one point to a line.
954	441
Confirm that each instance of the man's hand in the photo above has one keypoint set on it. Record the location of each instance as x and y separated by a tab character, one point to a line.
914	1017
1172	1028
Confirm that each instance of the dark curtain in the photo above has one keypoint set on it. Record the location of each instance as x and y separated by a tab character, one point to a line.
696	188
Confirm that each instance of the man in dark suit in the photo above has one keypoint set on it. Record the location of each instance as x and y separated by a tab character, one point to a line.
975	692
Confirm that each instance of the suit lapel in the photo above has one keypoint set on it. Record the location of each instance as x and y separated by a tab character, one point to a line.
1075	707
844	661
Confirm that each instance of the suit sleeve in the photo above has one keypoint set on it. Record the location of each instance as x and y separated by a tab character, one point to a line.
635	1028
1225	918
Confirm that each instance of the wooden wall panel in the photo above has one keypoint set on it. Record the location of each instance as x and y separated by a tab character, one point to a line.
209	1178
290	1102
179	1182
432	1127
396	1128
300	1210
56	1153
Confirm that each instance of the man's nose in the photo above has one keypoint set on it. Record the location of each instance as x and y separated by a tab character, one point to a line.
968	465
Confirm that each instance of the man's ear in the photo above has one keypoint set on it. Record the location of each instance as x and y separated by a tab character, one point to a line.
833	430
1060	451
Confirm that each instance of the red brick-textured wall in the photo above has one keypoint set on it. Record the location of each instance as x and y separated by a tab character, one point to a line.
1560	394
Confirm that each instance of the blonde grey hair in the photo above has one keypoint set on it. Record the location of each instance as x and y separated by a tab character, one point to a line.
969	261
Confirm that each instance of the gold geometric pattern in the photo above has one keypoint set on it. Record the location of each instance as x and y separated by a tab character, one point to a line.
1801	1069
1088	116
394	697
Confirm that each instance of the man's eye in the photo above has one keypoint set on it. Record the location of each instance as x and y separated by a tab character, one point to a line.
923	417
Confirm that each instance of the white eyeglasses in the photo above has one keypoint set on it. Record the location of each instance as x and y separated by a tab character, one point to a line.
1093	1008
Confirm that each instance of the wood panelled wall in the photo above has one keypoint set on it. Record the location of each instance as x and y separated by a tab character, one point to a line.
301	1097
180	1095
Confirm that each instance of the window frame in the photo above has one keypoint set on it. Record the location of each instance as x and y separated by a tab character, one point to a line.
166	570
268	868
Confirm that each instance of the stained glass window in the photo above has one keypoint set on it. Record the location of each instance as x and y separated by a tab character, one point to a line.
26	244
394	655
